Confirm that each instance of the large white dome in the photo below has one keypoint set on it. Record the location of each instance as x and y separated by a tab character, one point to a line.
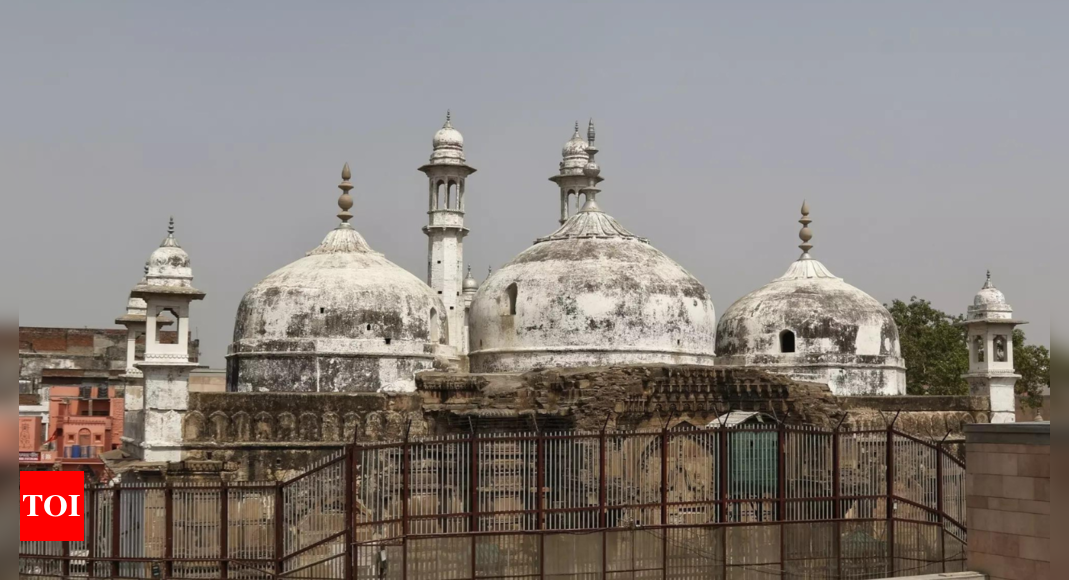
591	294
812	326
341	319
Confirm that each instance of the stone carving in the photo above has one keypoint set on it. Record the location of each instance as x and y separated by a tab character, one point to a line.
242	426
331	427
265	427
352	427
980	348
220	431
195	427
308	429
287	427
374	428
25	439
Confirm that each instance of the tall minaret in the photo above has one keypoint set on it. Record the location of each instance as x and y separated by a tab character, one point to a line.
990	325
446	173
571	178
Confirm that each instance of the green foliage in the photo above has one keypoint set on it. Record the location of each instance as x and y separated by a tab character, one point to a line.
1032	362
937	354
934	348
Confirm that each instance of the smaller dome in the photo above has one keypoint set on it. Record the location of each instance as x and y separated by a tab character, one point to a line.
576	146
989	295
470	283
448	137
990	302
169	263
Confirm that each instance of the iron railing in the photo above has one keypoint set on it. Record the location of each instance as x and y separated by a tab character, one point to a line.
681	504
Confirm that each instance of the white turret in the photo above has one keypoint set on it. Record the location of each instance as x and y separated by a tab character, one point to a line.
990	325
154	432
447	173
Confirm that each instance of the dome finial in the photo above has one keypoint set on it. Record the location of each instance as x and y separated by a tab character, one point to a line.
806	234
988	284
345	202
590	132
448	119
170	227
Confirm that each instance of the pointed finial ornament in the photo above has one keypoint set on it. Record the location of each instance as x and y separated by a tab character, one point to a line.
577	127
448	119
590	132
170	227
988	284
345	202
806	234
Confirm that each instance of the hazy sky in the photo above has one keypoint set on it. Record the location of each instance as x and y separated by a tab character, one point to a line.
929	138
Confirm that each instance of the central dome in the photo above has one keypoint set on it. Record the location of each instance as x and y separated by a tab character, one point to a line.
341	319
590	294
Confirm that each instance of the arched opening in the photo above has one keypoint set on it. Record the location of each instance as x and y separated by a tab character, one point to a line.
1001	352
787	342
981	355
513	292
435	331
451	196
439	195
167	318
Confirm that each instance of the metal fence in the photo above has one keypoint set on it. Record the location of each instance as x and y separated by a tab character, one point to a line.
744	502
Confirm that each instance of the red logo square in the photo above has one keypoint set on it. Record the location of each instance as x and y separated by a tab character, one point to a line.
52	506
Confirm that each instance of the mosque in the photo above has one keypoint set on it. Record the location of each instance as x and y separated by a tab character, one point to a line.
591	294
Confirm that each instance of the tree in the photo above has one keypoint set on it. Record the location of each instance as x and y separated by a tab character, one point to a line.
934	347
1032	362
936	351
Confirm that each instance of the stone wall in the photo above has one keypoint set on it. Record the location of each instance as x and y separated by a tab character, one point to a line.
1009	499
274	435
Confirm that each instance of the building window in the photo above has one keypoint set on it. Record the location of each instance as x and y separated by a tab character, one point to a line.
167	318
981	355
513	292
1001	352
787	342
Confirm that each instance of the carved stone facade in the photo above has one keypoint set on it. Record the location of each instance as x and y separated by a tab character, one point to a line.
271	436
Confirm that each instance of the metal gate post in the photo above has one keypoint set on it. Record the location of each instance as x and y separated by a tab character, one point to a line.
116	527
224	531
939	502
406	467
280	529
725	456
168	542
891	497
473	524
837	494
540	501
603	515
781	492
91	517
348	487
664	502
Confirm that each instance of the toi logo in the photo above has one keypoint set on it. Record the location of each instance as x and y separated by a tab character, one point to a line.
52	506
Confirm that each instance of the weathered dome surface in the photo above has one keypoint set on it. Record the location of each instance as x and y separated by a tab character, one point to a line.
341	319
591	294
812	325
448	145
990	303
168	271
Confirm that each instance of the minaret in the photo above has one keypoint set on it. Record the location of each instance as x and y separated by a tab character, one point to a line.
447	172
156	435
469	288
571	180
990	325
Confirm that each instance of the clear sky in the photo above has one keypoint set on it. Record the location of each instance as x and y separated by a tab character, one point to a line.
929	138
